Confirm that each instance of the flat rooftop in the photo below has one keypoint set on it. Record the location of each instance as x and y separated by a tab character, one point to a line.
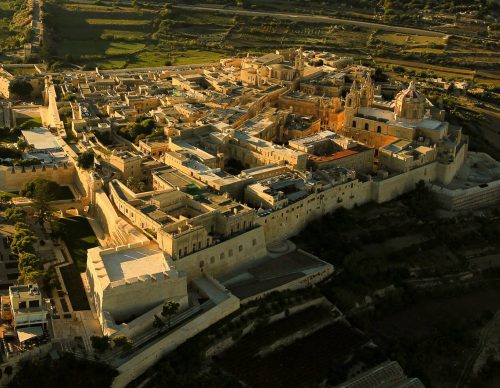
41	139
478	169
273	272
134	262
176	178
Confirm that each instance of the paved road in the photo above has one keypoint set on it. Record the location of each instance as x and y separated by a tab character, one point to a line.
314	19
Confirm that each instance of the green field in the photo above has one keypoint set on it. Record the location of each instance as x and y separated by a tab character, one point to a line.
130	37
124	36
79	237
7	36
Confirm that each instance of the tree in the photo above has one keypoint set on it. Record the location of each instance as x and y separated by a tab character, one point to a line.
41	204
158	322
170	308
135	185
100	344
27	259
5	198
22	144
21	87
22	242
86	160
42	192
123	342
29	275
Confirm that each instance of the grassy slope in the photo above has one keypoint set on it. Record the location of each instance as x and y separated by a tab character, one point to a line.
78	236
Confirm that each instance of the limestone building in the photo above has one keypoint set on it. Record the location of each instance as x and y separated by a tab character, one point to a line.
127	281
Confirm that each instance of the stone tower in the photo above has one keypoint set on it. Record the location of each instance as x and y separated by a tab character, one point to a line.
352	103
367	91
409	104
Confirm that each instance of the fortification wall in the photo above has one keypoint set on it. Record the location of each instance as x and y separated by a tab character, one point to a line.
138	364
392	187
13	178
446	172
284	223
229	255
119	230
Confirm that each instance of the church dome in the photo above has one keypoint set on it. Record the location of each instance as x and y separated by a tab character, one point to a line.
410	104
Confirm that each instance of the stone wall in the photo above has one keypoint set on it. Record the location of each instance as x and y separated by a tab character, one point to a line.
13	178
393	186
138	364
117	228
236	252
446	172
288	221
468	198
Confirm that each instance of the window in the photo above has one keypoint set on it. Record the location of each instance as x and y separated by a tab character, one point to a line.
199	244
367	126
22	305
254	242
240	248
222	256
230	253
212	259
180	252
194	247
354	123
379	129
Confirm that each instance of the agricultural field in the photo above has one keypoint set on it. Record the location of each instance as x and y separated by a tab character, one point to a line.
124	36
9	34
130	37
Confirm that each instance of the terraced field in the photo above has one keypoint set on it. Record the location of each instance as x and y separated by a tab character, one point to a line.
8	37
124	36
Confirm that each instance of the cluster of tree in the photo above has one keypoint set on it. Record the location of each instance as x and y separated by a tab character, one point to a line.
10	153
41	192
135	185
101	344
163	22
9	132
139	130
183	368
86	160
30	266
421	201
103	137
169	309
68	371
14	214
21	87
